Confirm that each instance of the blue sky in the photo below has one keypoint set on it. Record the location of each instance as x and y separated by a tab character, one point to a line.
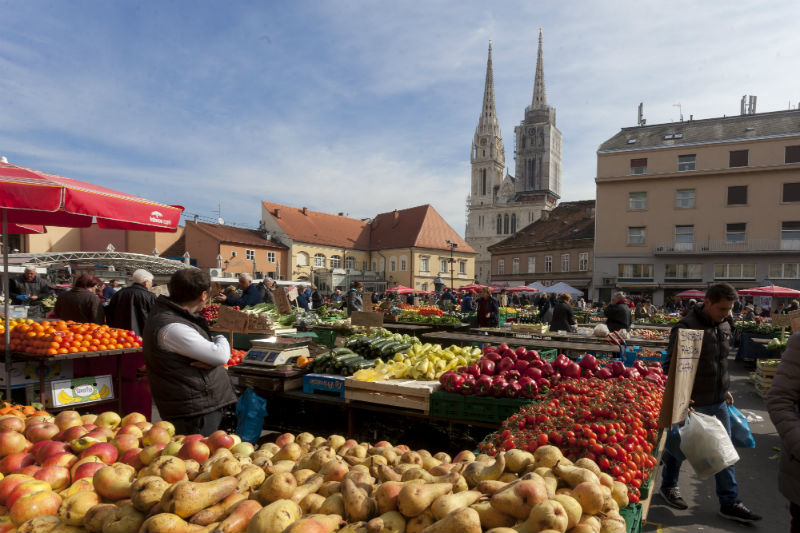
358	106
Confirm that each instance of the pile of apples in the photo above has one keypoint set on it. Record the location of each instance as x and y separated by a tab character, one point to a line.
108	474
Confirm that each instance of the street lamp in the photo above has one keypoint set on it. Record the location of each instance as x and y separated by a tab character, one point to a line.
453	246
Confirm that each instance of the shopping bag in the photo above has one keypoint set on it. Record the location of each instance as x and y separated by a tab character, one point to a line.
741	435
250	412
706	445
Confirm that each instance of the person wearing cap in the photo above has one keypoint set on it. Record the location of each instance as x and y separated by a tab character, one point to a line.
267	288
747	315
617	313
28	289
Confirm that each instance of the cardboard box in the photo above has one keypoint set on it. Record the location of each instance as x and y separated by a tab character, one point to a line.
27	373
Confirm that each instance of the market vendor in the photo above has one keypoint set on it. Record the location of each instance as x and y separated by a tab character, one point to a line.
184	363
250	293
80	303
29	289
617	313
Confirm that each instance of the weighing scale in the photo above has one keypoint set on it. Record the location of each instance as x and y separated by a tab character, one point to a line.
275	352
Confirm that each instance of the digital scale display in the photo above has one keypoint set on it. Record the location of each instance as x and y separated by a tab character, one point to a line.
257	356
260	355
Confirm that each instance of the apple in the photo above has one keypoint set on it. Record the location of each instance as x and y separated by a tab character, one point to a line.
104	450
131	457
58	477
66	459
101	433
79	462
283	439
193	436
172	448
29	470
114	482
149	453
12	442
89	418
108	419
48	448
12	423
72	433
26	487
15	461
42	431
156	435
243	448
42	503
87	470
196	450
131	429
78	445
144	426
166	425
219	439
125	441
133	418
39	419
67	419
85	483
8	484
237	439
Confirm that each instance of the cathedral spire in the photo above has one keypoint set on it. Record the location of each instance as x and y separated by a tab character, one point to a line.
487	124
539	96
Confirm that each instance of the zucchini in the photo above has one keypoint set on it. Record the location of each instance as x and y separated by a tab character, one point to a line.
340	351
389	349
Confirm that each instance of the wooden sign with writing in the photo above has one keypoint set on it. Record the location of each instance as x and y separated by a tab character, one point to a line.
282	301
366	318
794	320
781	320
230	319
682	370
366	298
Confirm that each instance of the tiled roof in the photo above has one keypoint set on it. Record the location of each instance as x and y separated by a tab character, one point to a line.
733	128
231	234
177	248
569	221
305	225
418	226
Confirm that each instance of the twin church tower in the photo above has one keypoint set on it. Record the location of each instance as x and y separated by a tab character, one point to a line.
500	204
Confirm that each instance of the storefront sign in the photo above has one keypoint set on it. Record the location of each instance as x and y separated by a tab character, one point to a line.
81	391
682	370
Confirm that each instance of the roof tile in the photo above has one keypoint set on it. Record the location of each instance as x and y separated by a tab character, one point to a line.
567	222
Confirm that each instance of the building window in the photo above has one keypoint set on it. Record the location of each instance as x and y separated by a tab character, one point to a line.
793	154
639	166
423	264
684	237
302	259
374	266
548	263
791	192
499	225
249	255
270	257
363	265
531	265
513	223
515	265
635	271
735	271
738	158
564	262
790	235
637	201
683	271
505	224
583	261
686	162
684	198
501	267
392	264
350	262
336	261
737	195
403	264
319	260
636	235
784	271
735	233
443	265
462	267
483	182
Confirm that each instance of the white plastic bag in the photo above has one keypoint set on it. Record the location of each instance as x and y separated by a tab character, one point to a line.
706	445
600	330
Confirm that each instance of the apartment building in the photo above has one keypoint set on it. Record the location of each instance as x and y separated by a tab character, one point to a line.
685	204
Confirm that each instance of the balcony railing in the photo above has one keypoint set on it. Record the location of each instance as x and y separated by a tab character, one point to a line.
722	246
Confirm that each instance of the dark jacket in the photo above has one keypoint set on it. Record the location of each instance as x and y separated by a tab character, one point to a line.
562	317
129	307
488	305
78	304
467	304
355	301
19	287
302	301
267	296
250	296
618	316
316	300
783	403
712	380
179	389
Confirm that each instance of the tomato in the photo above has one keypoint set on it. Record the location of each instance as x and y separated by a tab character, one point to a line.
542	439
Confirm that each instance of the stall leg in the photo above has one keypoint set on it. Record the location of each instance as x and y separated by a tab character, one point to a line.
42	371
119	383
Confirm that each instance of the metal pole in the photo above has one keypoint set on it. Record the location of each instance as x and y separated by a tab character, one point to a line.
7	335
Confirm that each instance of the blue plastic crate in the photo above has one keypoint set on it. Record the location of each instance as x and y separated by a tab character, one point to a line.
323	383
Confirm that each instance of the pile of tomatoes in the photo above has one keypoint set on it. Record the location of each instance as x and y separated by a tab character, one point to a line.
63	337
236	357
613	422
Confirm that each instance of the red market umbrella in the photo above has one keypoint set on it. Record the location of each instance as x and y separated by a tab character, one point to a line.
473	287
691	293
522	288
401	289
771	290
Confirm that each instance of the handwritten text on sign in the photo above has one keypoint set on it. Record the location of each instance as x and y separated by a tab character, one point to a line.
683	367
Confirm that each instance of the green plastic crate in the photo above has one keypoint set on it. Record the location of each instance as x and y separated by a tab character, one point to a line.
633	517
644	490
478	408
548	354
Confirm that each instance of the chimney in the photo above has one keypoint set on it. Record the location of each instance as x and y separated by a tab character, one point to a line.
305	211
196	218
545	215
590	212
341	213
277	213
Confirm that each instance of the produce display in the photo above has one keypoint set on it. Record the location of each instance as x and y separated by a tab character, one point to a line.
777	344
236	357
107	474
649	334
59	337
425	362
612	423
521	373
210	313
757	328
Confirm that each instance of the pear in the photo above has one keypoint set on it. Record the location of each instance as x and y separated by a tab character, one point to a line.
124	519
491	518
420	522
238	518
321	523
217	512
548	515
276	516
574	475
391	522
147	491
96	515
74	507
188	497
463	520
414	498
517	499
167	523
572	507
444	505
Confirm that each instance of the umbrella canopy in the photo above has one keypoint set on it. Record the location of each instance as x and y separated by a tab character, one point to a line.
691	293
563	287
473	287
401	289
771	290
522	288
538	286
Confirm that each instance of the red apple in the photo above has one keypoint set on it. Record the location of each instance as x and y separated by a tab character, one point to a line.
12	423
149	453
125	441
193	436
26	487
39	419
68	419
80	462
156	435
8	484
144	426
220	439
104	450
87	470
74	432
131	429
195	449
15	461
131	457
12	442
132	418
66	459
48	449
101	433
42	503
57	476
42	431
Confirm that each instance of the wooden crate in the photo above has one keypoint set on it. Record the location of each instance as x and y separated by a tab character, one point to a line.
409	394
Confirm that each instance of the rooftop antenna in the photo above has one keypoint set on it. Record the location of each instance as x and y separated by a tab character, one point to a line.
220	220
640	118
680	110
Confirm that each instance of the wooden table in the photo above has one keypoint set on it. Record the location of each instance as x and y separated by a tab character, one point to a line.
466	338
404	327
569	337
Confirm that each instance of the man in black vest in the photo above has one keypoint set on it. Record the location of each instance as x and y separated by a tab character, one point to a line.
184	364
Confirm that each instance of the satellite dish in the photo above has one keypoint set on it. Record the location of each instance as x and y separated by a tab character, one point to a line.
220	221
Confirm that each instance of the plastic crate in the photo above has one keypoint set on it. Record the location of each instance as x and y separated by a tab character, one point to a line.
478	408
633	517
323	383
548	354
644	490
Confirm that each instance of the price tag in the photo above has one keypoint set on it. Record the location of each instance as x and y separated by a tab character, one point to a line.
366	318
682	371
282	301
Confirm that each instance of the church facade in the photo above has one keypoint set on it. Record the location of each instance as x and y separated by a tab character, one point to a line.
500	204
